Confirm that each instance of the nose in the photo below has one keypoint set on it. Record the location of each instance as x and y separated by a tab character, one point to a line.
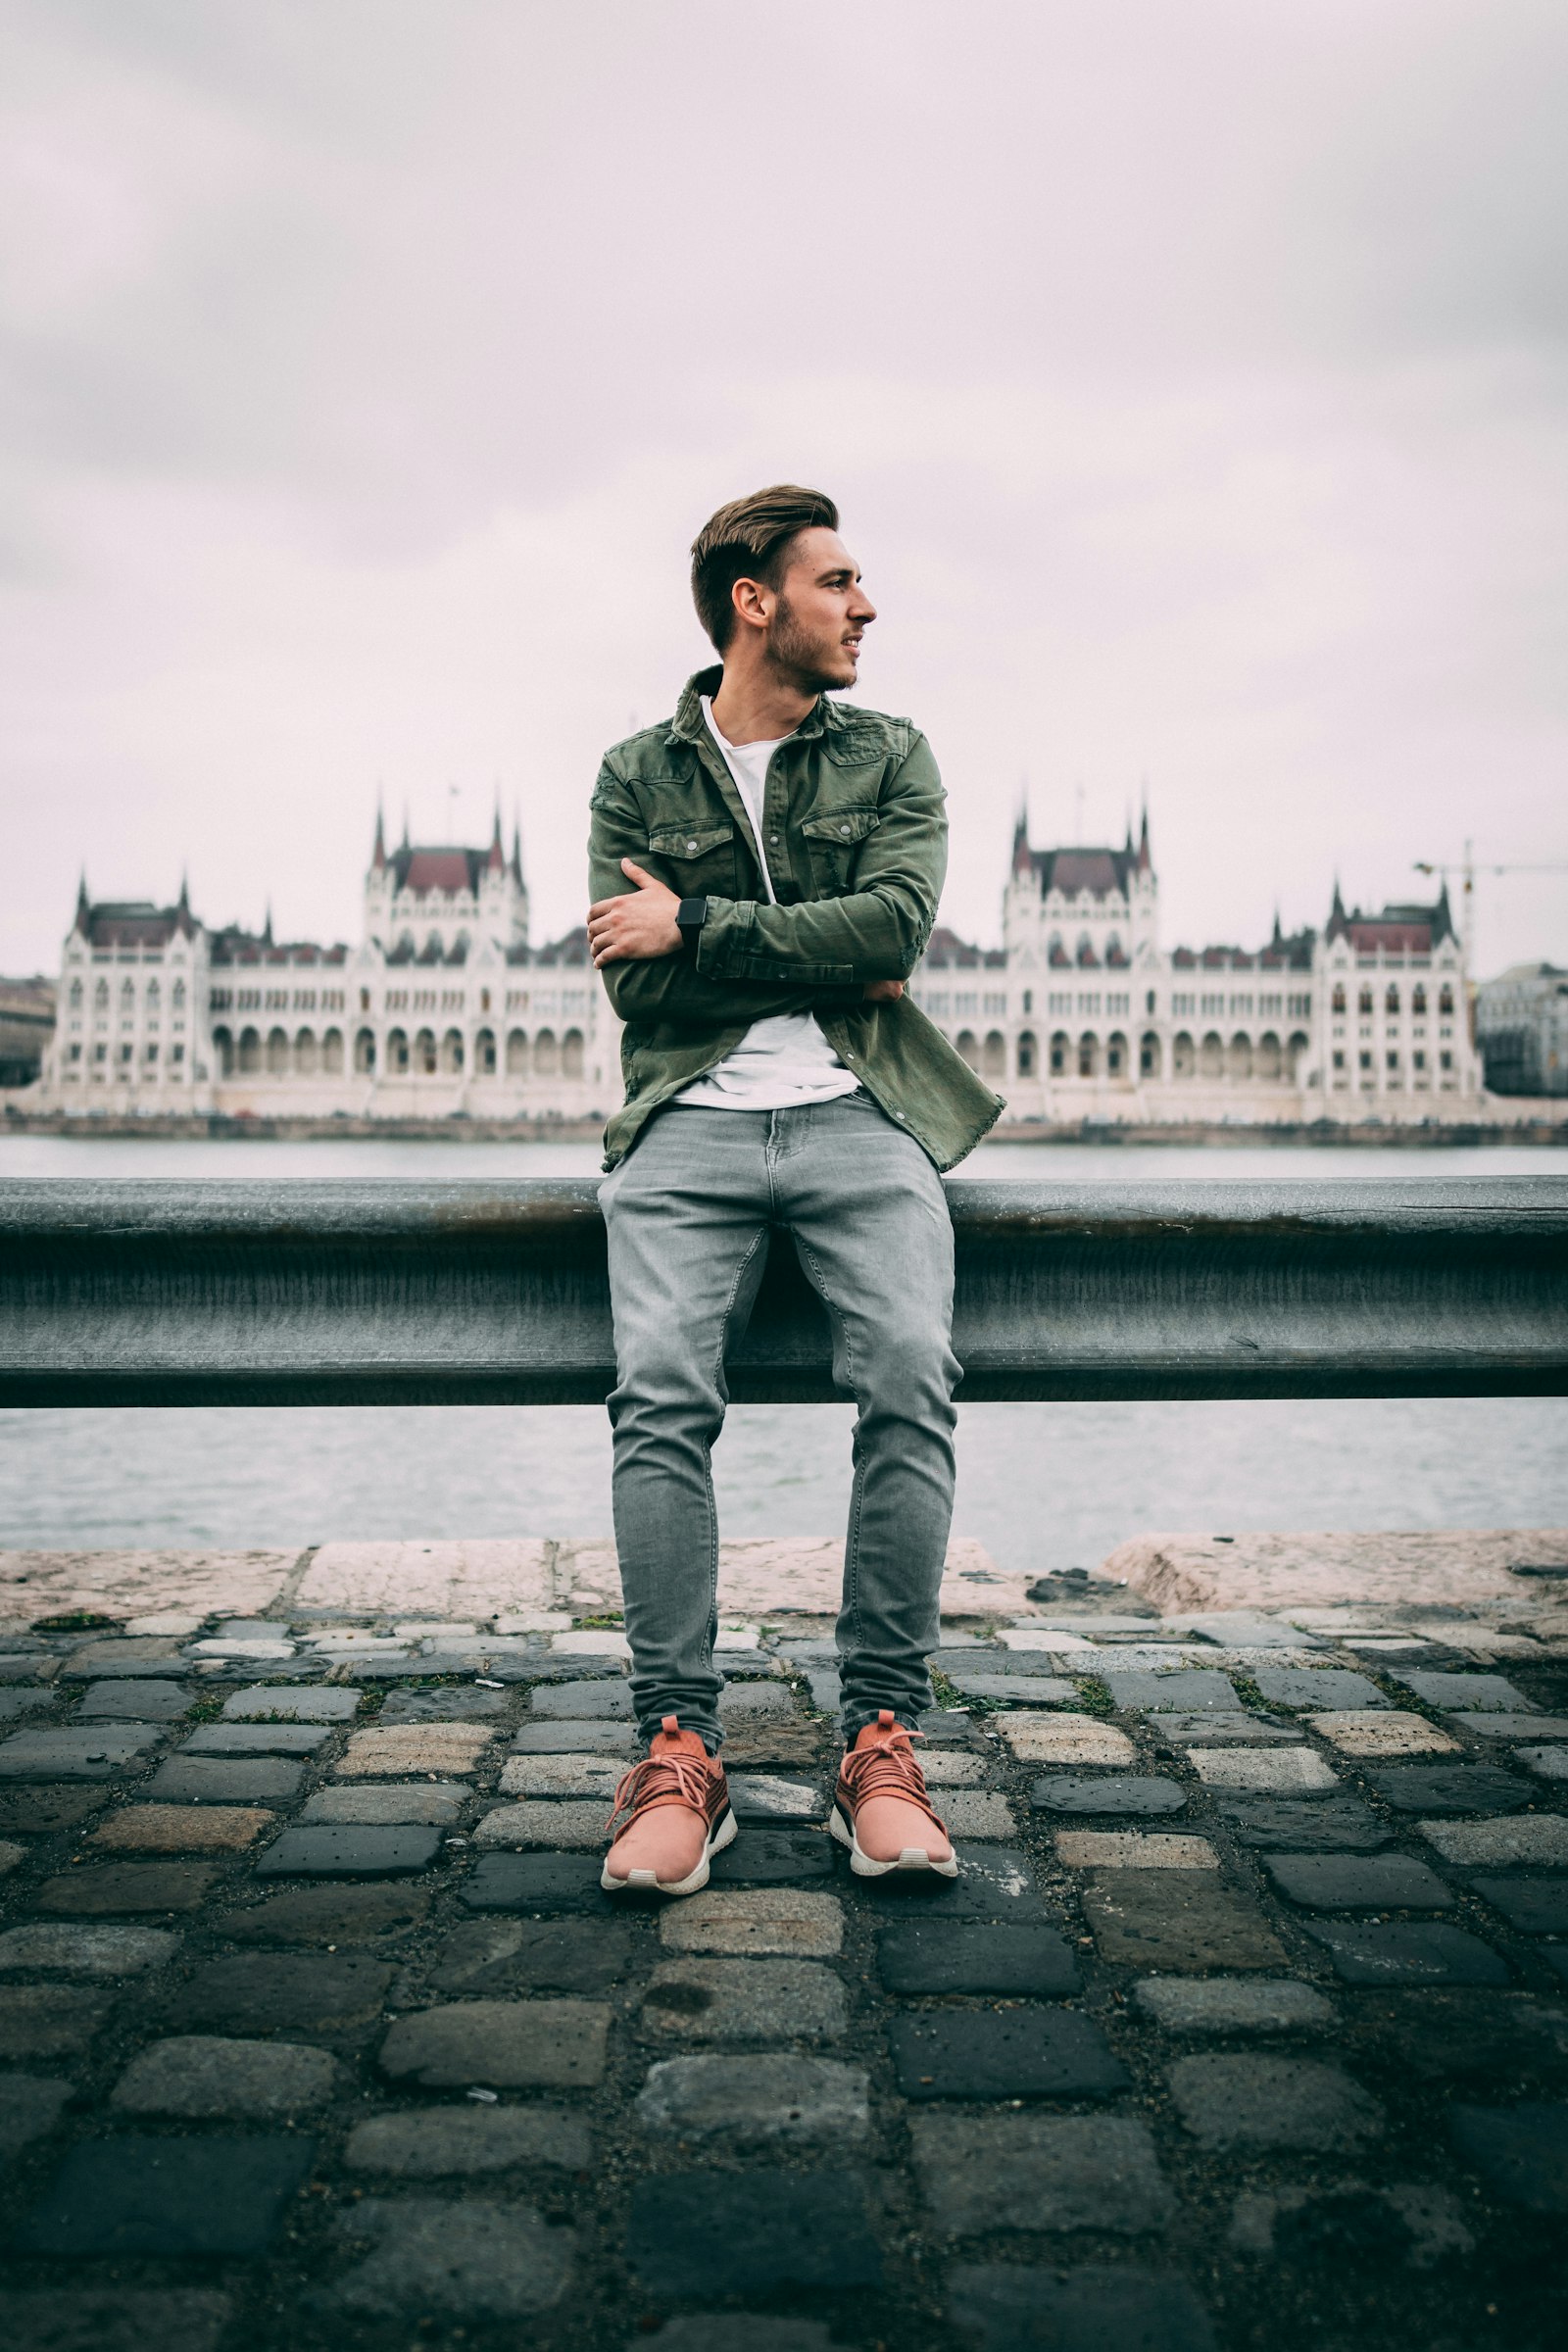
862	607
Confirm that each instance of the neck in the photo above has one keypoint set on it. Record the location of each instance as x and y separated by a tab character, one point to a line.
757	701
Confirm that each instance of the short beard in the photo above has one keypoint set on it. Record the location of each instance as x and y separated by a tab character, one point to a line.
789	649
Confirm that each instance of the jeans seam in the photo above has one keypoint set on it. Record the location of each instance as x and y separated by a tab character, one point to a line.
708	1451
851	1540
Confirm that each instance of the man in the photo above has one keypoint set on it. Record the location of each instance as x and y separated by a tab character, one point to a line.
765	869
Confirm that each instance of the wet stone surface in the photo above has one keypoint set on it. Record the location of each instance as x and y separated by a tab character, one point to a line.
1250	2037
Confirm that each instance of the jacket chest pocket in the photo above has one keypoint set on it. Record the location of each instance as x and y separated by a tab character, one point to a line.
833	844
698	860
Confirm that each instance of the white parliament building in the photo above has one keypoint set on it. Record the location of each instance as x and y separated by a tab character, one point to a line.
444	1009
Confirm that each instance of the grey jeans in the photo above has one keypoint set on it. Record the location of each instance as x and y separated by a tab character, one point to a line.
689	1213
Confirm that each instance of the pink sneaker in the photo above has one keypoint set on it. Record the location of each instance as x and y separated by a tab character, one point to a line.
675	1803
881	1810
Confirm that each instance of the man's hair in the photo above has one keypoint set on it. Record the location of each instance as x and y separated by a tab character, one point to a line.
750	540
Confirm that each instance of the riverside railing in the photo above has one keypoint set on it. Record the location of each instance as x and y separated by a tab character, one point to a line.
308	1294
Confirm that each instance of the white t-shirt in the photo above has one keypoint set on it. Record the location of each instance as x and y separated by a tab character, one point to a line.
783	1059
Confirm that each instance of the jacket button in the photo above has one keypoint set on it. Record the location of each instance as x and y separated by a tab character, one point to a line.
844	829
691	848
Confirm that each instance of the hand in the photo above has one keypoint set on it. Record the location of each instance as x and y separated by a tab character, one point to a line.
883	992
641	924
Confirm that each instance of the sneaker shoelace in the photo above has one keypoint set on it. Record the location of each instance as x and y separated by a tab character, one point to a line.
886	1771
677	1780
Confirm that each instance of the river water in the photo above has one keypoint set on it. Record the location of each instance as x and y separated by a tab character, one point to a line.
1044	1486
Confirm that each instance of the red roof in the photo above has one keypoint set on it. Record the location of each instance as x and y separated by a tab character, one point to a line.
438	869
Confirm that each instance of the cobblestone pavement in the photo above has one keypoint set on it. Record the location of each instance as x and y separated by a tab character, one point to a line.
1247	2023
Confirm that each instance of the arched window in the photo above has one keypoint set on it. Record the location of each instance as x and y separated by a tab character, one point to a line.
1115	1054
1339	996
1266	1060
306	1056
545	1053
179	995
1089	1054
1391	1003
1026	1055
1211	1055
425	1053
223	1047
1113	948
75	996
278	1052
365	1053
1296	1045
100	996
153	994
397	1053
484	1053
1086	949
250	1051
968	1046
995	1059
517	1054
1239	1060
1060	1045
1418	998
1183	1058
364	1000
572	1054
1366	1000
1446	999
333	1052
1148	1054
127	994
1055	952
451	1052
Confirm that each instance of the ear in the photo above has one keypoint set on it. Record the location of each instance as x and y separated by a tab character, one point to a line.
749	600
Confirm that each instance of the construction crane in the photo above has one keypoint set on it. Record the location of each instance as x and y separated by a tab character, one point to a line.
1467	870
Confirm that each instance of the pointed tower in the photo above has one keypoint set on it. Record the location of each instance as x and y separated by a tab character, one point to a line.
83	922
496	863
1145	862
379	852
266	928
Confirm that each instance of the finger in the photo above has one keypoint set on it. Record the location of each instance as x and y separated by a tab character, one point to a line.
640	875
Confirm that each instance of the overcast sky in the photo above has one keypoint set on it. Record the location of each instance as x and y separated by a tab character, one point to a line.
1192	380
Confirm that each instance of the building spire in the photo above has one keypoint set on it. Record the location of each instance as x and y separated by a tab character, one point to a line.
1145	862
84	908
378	853
516	845
266	927
496	863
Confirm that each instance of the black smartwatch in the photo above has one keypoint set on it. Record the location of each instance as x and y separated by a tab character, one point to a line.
690	917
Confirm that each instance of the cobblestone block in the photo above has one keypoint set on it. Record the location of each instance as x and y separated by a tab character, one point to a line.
1133	1849
794	1747
1112	1793
1241	1727
1546	1763
560	1737
1409	1952
1536	1840
221	1780
1521	2152
1360	1733
1317	1687
182	1829
746	1702
1535	1906
604	1701
1017	1690
1176	1918
561	1776
533	1956
75	1951
1450	1788
993	1883
761	1857
256	1740
1454	1694
1233	2005
30	2106
472	2259
351	1852
1512	1727
1040	2171
35	1812
696	2331
545	1822
538	1883
1194	1689
771	2100
441	1747
707	2234
1358	1883
1064	1739
113	2319
202	2077
977	1813
1231	2102
939	1956
455	1703
951	1768
292	1992
211	2195
433	2142
15	1703
12	1857
268	1703
769	1920
1003	2054
756	1797
1331	1826
329	1914
1274	1771
1089	2310
132	1701
508	2045
393	1805
1438	2033
150	1657
62	1752
721	2000
113	1888
49	2021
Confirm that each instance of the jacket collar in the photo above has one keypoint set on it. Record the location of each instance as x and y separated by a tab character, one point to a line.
688	725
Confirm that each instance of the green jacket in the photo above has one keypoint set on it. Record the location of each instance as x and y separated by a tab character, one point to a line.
856	849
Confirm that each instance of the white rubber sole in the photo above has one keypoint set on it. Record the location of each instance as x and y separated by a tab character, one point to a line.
914	1859
642	1881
